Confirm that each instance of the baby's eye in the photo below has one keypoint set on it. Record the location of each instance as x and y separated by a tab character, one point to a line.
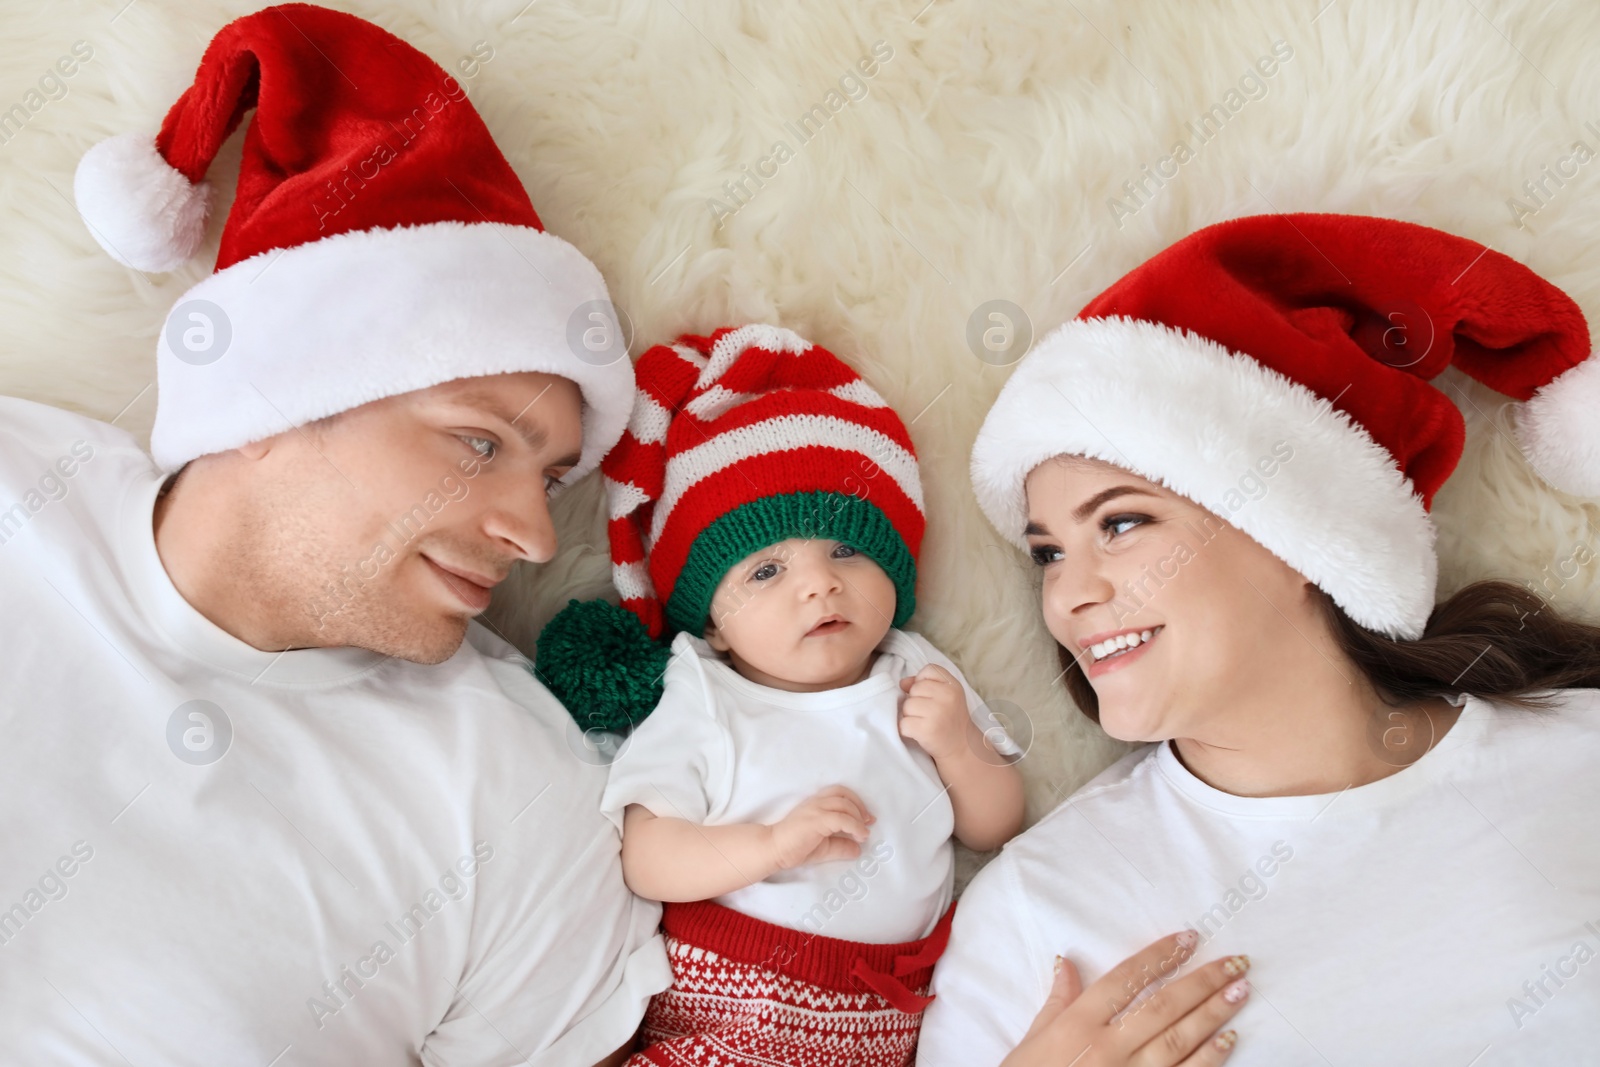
486	452
765	572
843	551
1043	554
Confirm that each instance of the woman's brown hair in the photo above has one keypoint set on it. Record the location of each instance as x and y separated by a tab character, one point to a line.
1493	639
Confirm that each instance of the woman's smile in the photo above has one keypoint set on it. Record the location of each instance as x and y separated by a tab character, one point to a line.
1115	653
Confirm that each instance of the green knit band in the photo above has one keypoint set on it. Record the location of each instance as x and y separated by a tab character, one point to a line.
761	523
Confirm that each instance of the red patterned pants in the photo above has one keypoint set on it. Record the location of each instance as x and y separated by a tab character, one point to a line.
747	993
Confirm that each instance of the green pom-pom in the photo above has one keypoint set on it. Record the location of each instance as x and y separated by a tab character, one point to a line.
600	661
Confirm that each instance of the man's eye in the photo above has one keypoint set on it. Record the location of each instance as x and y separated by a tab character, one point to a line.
487	449
1043	554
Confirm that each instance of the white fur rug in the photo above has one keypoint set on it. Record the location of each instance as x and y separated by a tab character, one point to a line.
976	163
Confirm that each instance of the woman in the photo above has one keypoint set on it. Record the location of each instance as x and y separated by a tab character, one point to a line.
1223	471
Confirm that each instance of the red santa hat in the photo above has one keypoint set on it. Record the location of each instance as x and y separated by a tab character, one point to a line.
378	243
1315	336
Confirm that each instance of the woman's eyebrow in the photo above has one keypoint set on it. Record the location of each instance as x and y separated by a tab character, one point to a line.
1087	508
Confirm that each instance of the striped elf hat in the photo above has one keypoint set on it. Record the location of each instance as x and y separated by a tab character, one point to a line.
737	441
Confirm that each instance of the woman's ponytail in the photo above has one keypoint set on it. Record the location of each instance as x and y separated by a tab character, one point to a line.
1493	639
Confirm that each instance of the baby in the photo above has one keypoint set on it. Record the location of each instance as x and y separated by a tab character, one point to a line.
802	761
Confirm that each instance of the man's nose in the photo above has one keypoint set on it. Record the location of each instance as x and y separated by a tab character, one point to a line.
523	526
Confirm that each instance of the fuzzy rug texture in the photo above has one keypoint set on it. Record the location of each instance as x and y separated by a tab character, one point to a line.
985	158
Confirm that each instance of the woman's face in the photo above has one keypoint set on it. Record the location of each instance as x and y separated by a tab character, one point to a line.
1226	620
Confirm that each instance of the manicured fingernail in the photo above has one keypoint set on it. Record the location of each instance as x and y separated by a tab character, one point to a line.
1188	940
1061	961
1236	965
1237	991
1225	1040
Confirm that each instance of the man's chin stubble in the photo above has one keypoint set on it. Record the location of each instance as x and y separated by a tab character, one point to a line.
427	645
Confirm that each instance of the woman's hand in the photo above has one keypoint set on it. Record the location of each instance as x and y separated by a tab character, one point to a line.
829	825
1176	1025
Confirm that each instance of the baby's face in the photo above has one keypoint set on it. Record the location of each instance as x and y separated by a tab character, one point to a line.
802	615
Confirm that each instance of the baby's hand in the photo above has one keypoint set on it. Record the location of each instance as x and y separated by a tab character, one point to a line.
934	713
828	826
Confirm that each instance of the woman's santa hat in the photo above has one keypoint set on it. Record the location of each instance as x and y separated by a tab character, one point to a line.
378	242
1321	333
737	441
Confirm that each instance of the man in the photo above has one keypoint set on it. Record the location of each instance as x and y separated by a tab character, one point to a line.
272	797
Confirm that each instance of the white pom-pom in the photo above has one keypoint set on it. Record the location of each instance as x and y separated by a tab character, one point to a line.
144	213
1559	430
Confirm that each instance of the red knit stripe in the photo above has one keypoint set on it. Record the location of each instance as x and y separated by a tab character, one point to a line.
823	961
760	370
626	544
721	459
803	470
665	376
703	345
641	465
687	431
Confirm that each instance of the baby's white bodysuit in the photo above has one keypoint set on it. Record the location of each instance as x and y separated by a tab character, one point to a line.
720	749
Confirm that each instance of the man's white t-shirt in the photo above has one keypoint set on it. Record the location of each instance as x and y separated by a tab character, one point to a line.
1447	914
216	855
722	749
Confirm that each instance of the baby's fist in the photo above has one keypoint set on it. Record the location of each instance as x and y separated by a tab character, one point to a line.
829	825
934	713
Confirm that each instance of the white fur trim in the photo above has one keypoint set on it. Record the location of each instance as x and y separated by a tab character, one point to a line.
1559	430
145	214
1182	410
324	327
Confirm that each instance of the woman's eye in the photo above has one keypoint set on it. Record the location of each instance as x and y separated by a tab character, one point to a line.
1043	554
843	551
550	483
1113	523
488	449
765	571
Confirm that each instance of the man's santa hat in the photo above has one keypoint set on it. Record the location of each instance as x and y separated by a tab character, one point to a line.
378	243
1319	333
737	441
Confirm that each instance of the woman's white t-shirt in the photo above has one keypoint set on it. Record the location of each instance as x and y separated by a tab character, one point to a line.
721	749
1448	914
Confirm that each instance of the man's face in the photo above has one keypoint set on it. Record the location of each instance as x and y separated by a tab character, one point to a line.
386	526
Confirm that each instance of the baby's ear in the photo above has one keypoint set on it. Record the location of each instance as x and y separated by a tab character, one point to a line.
713	635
